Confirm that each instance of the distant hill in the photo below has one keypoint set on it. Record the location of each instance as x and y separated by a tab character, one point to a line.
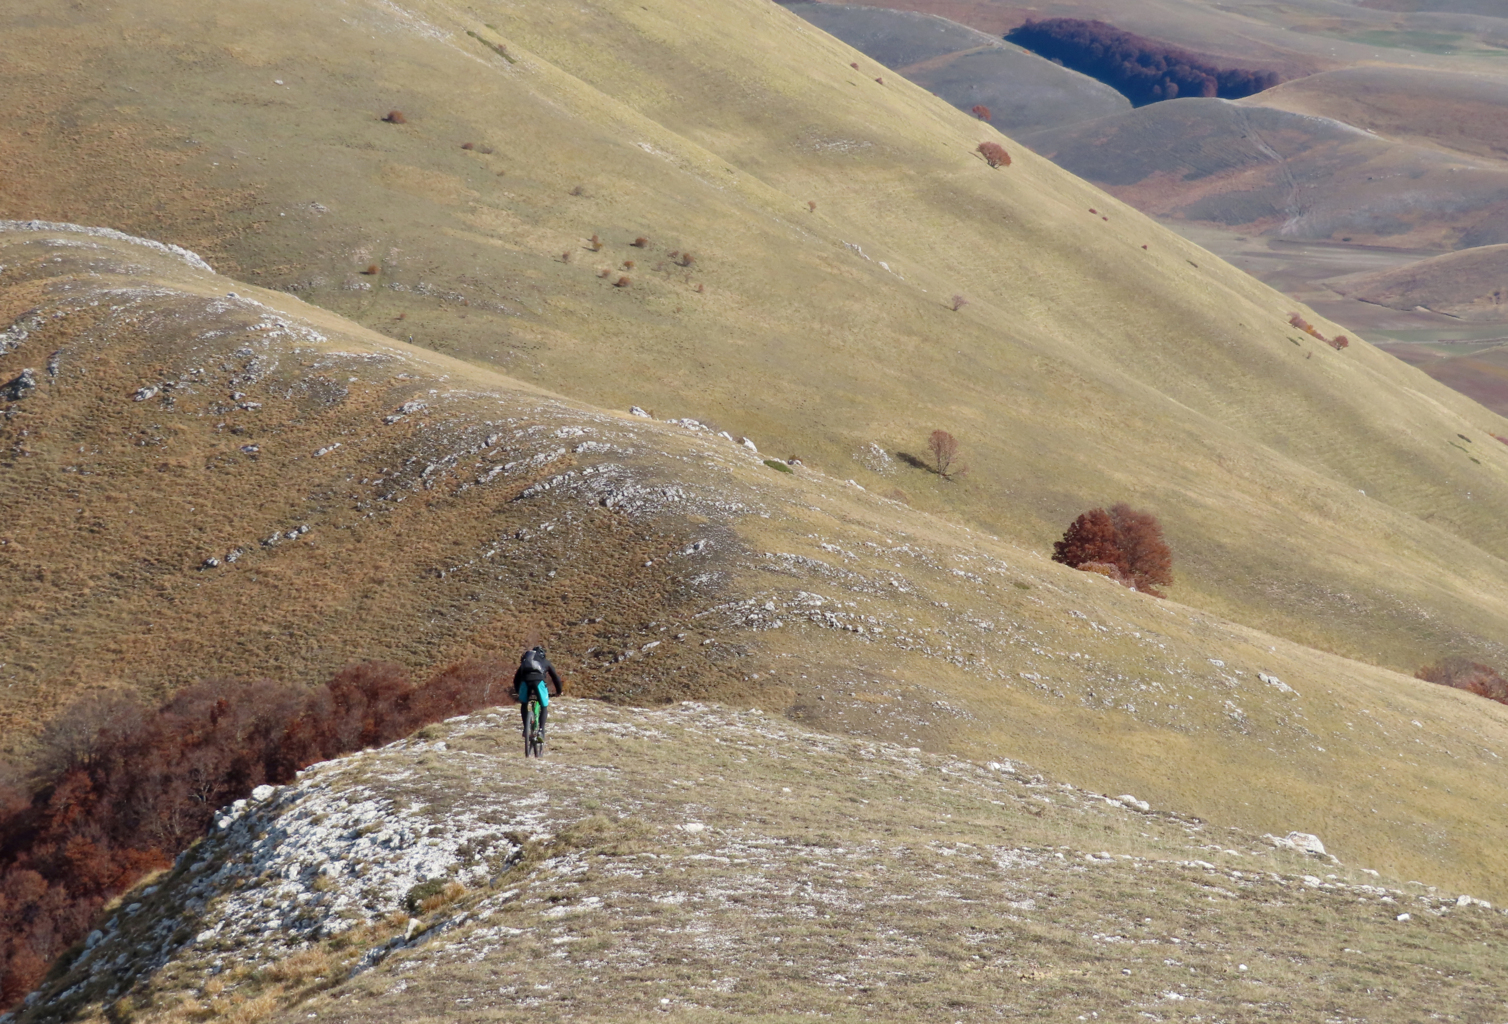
1471	284
1251	168
1022	91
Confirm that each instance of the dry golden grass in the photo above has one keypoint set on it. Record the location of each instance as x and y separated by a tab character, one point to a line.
737	868
970	644
1085	368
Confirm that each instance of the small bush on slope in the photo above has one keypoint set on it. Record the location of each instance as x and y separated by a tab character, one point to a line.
129	790
1465	674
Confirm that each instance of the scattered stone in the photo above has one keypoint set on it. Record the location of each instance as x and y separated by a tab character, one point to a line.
17	388
54	363
636	411
232	555
327	450
144	393
210	563
1275	681
748	444
1303	842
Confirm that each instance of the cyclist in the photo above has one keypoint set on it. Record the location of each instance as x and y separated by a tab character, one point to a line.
533	667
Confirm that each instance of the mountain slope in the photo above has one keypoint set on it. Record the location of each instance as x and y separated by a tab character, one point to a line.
452	512
680	863
1086	369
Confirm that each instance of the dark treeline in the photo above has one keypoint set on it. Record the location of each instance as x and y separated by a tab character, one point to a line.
124	790
1145	70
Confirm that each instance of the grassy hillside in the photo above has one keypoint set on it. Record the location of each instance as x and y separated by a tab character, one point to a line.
679	864
452	512
1085	369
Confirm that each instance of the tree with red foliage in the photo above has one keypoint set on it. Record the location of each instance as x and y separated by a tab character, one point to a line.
1148	559
994	154
1089	539
1123	540
980	111
130	790
1465	674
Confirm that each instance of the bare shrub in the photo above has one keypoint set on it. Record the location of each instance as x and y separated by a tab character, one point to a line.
994	154
628	264
686	259
622	282
1465	674
594	243
395	117
468	145
640	242
980	111
957	303
372	268
944	449
811	206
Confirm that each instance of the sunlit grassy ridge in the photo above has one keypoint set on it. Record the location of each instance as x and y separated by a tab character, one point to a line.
1085	369
454	512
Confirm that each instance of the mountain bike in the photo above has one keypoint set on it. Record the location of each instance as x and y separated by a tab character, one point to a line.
534	742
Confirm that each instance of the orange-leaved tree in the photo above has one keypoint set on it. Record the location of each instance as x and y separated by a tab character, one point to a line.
994	154
1124	544
981	111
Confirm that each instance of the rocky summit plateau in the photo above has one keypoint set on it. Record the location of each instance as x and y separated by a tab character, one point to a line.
678	864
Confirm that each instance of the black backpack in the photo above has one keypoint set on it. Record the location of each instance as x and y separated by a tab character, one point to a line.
533	663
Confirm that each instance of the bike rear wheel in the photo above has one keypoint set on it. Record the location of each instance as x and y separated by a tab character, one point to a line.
531	730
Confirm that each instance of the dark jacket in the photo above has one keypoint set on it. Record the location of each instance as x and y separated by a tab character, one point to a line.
525	676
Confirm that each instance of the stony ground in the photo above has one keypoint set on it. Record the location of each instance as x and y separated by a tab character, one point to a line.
707	864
